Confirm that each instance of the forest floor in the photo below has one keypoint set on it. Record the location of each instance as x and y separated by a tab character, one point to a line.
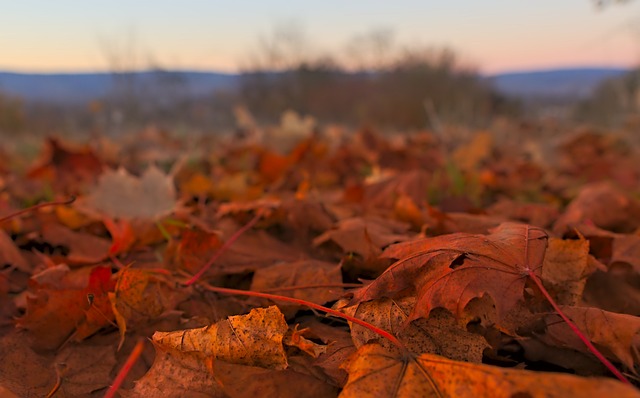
465	263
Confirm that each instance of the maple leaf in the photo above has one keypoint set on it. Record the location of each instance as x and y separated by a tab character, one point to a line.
413	184
364	236
566	268
614	249
85	368
617	333
604	205
58	313
64	166
118	194
440	333
140	295
374	372
450	270
83	248
194	248
304	273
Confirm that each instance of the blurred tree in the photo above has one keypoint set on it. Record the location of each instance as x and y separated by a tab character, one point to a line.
605	3
614	102
371	51
416	88
12	114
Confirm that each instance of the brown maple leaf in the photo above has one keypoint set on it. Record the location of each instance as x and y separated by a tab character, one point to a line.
450	270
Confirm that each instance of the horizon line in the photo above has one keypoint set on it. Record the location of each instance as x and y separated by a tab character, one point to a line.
223	71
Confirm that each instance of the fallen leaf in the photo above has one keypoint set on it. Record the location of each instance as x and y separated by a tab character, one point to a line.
253	250
470	155
119	194
122	235
83	248
565	269
85	369
305	274
339	347
374	372
197	185
449	271
10	254
539	214
194	248
617	334
296	339
188	361
439	334
413	184
65	165
613	291
141	295
364	236
603	205
58	313
254	339
22	370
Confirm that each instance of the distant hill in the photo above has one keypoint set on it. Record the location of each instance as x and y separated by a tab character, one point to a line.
572	83
575	83
82	87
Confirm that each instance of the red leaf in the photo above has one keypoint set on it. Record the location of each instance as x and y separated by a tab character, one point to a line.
56	314
450	270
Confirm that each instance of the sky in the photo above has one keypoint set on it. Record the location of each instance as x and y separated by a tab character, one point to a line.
492	35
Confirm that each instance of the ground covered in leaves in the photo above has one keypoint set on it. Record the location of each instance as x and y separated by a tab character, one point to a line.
434	246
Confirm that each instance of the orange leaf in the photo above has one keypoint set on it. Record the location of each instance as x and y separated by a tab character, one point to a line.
121	235
374	372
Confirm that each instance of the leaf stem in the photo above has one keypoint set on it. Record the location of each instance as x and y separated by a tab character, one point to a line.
223	248
576	330
316	286
38	206
393	339
126	368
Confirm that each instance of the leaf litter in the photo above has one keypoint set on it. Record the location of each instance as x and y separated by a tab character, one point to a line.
446	271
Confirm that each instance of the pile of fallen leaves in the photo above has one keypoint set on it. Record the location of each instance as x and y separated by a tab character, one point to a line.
347	264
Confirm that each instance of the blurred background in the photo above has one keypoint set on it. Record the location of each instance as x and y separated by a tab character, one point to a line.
214	67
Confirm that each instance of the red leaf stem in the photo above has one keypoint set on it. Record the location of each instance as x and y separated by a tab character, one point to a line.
126	368
309	304
223	248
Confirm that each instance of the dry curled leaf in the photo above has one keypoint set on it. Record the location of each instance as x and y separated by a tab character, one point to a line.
254	339
188	362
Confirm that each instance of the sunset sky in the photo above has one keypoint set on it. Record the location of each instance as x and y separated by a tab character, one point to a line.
495	35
